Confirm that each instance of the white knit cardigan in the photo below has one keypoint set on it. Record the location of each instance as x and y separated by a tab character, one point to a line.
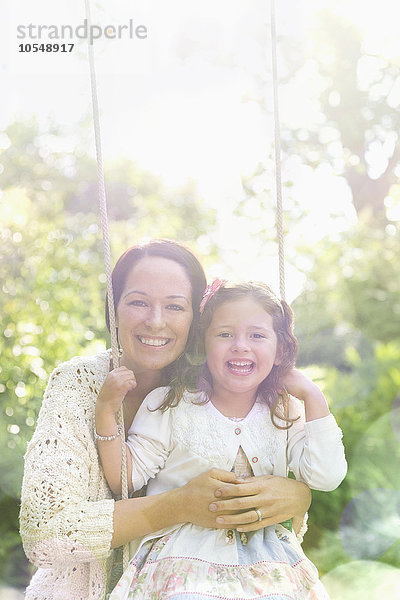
66	507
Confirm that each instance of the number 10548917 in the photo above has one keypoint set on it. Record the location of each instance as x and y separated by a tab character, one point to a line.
45	47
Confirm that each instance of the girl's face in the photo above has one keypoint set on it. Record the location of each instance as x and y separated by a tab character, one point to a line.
154	314
241	347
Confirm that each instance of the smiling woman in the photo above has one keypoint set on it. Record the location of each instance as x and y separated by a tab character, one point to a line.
157	288
154	314
69	520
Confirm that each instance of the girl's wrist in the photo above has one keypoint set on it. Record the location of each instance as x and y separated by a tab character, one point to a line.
313	394
105	422
109	437
315	404
104	408
310	391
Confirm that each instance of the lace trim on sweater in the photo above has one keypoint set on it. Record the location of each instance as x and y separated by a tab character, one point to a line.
210	435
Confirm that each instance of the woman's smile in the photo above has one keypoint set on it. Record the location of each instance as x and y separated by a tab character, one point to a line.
157	342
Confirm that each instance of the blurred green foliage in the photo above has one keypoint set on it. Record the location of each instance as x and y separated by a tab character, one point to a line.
362	398
347	323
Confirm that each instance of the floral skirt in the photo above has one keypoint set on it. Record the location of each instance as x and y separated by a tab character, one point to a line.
192	563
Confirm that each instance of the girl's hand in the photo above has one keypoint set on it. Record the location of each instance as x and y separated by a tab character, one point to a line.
117	384
299	385
277	499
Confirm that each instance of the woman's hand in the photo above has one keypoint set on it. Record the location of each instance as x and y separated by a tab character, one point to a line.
196	496
277	499
117	384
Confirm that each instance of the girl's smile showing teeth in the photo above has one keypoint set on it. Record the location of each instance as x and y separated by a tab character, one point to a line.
153	341
240	367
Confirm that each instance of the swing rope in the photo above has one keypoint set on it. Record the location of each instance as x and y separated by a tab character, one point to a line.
278	167
107	257
104	220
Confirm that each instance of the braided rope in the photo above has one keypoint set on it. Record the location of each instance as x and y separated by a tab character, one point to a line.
107	256
278	169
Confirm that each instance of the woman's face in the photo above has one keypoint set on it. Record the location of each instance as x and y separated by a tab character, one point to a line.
154	314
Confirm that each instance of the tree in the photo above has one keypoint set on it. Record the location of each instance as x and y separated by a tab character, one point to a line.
351	93
359	102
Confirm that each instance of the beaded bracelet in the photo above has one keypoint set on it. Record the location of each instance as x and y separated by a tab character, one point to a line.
108	438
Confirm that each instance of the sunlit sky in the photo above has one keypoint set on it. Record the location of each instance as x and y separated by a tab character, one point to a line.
173	102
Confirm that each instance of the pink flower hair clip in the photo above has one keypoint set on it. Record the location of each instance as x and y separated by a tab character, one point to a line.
210	291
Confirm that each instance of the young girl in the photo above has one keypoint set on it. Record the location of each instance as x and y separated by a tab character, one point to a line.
233	411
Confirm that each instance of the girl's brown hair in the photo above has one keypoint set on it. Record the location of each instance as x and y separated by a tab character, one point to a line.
195	376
